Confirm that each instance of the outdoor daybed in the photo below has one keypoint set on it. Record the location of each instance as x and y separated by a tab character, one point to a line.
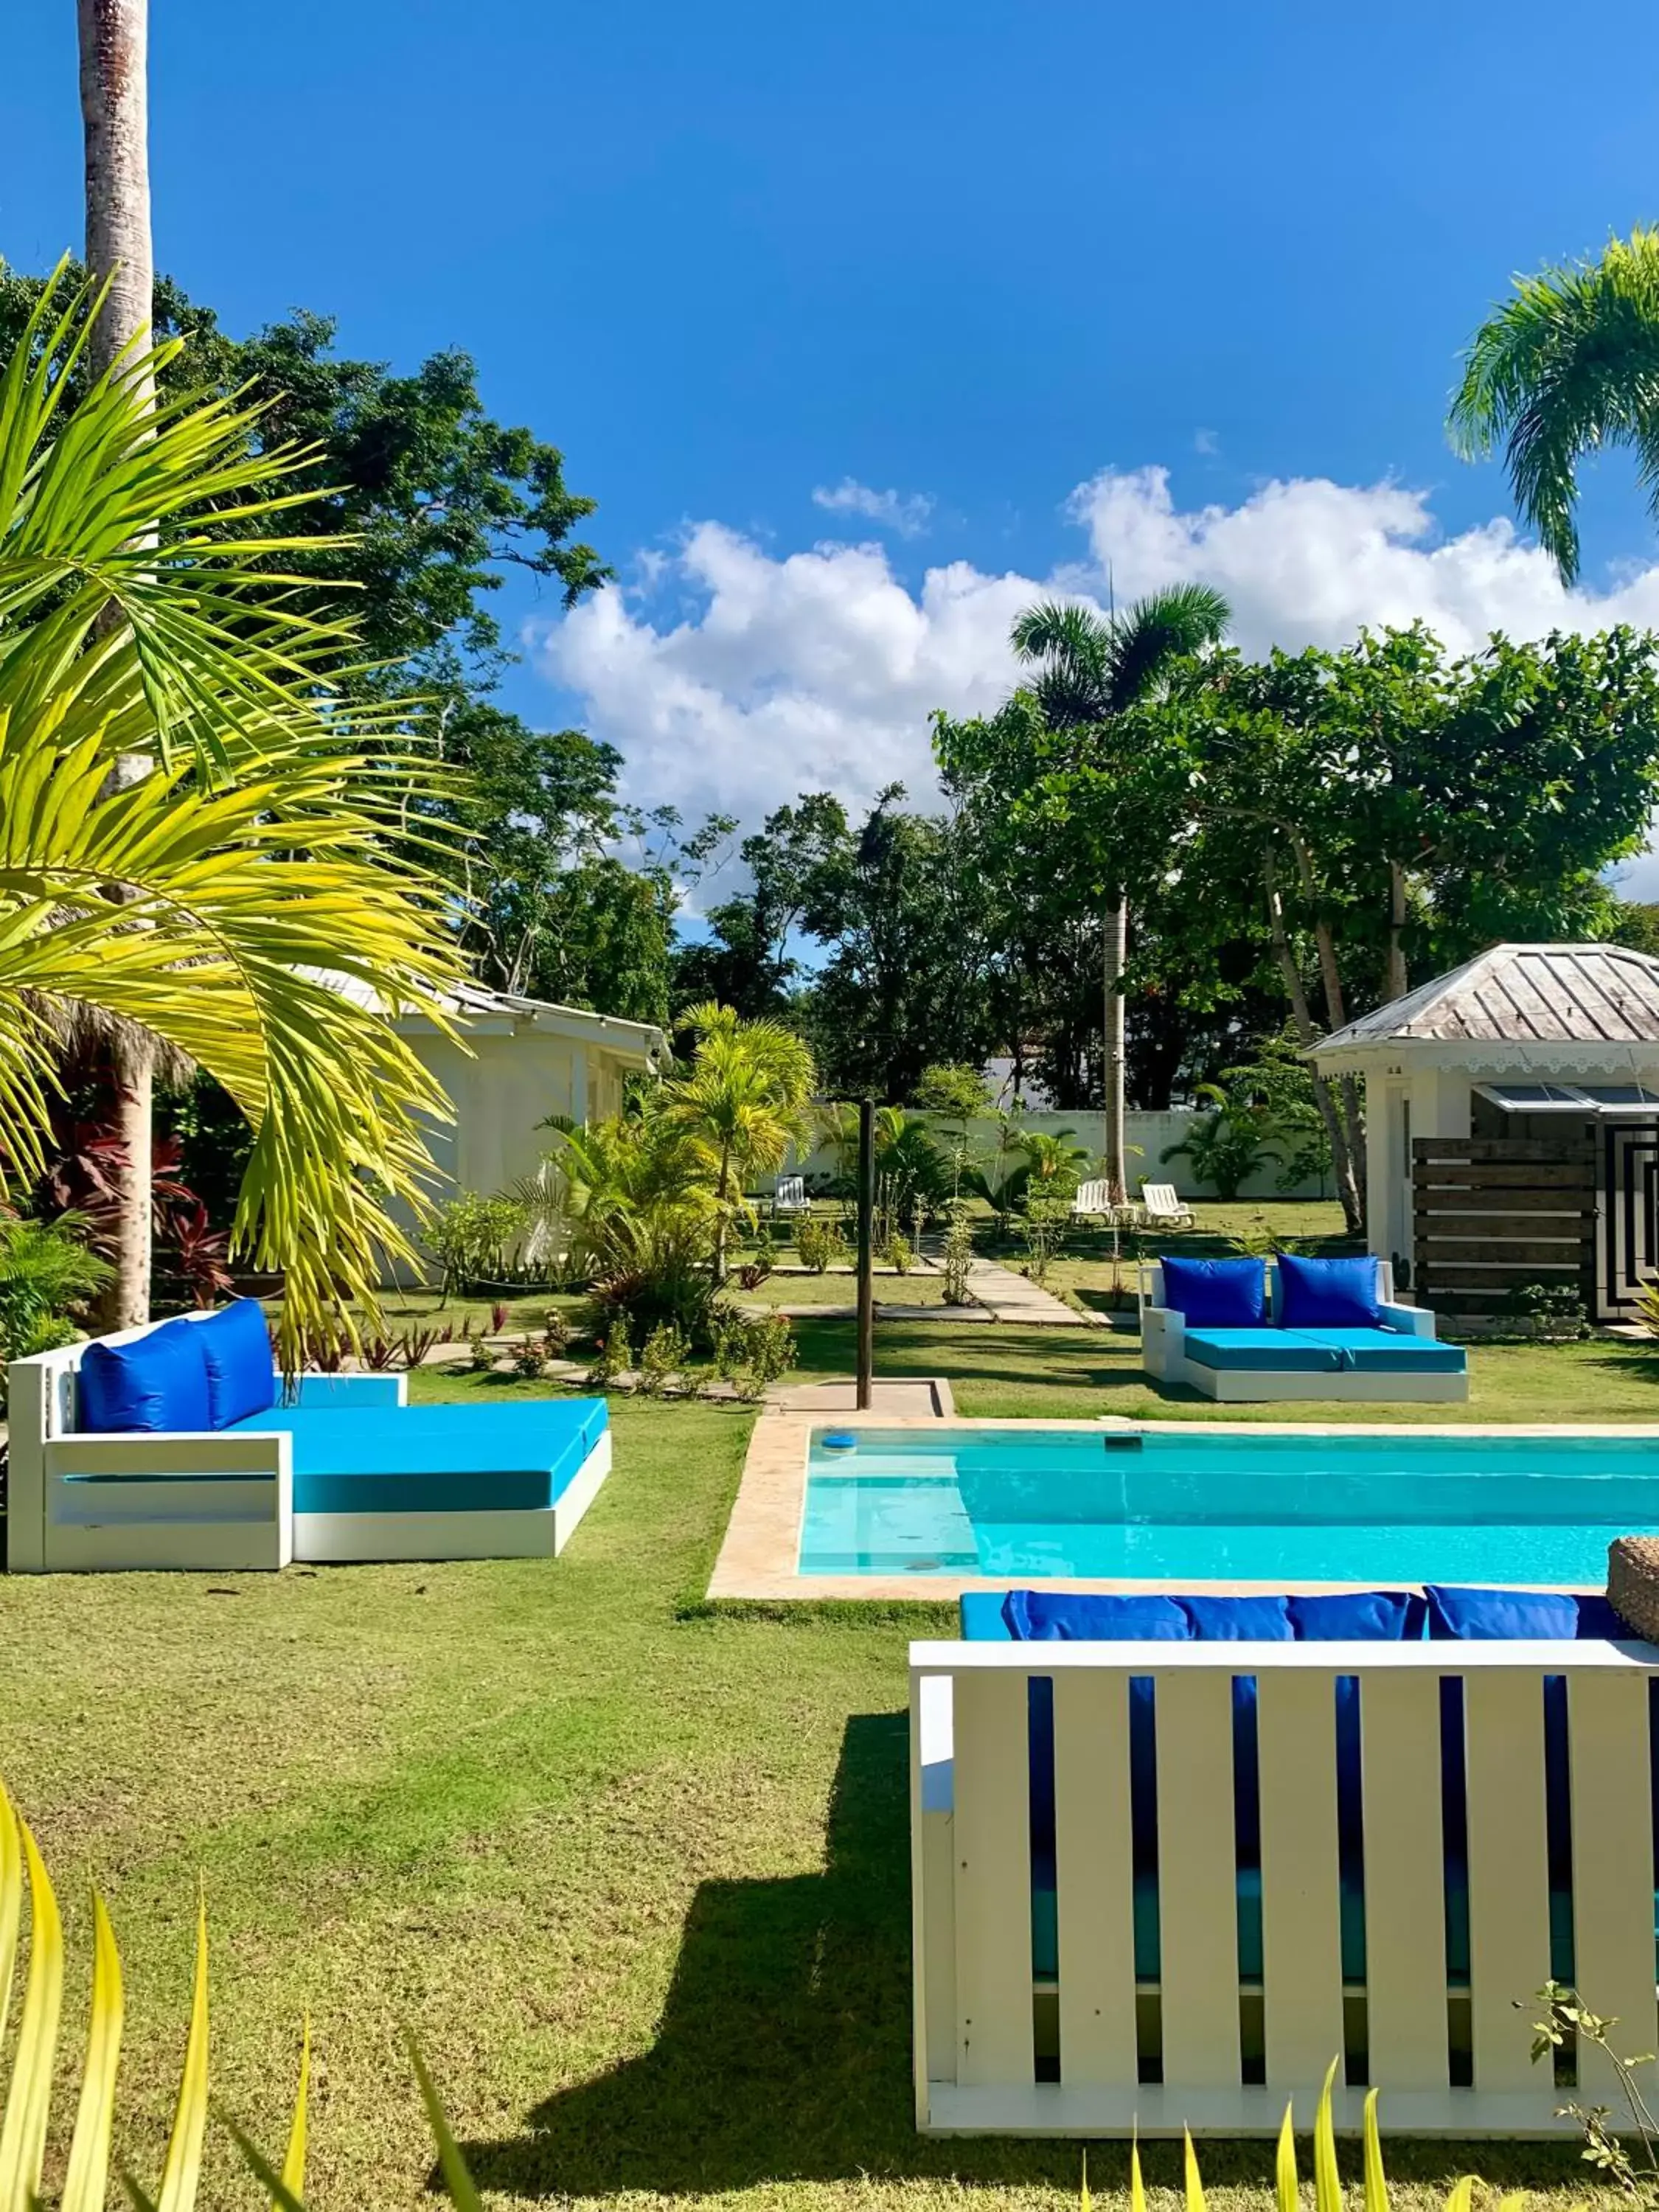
174	1446
1240	1330
1161	1878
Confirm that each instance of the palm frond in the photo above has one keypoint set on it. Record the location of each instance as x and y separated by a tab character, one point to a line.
1569	366
1165	627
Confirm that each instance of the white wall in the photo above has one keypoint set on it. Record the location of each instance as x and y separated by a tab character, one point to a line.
1151	1132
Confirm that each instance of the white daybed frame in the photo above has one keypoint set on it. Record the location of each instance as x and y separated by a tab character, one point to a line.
223	1500
1163	1331
976	2001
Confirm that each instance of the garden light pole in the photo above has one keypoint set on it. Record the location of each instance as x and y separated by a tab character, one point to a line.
866	1356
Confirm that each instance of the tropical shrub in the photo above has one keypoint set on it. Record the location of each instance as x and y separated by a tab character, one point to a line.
952	1090
819	1242
615	1354
1278	1084
1228	1144
1556	1310
959	1256
472	1237
530	1358
739	1106
662	1356
1041	1228
46	1274
897	1254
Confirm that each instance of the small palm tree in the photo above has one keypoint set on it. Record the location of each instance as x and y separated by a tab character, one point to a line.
1090	670
742	1103
1569	366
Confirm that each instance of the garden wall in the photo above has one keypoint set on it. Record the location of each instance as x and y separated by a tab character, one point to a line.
1151	1132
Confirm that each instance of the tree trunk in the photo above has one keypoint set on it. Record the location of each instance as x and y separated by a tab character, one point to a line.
114	44
1394	985
1117	947
719	1267
1342	1163
1336	1010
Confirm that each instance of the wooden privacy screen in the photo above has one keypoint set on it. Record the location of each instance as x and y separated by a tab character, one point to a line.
1085	2046
1492	1214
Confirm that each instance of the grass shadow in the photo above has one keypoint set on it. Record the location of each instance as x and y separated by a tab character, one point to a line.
783	2050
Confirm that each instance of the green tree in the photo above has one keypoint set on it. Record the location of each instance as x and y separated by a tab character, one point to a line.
1089	671
1568	367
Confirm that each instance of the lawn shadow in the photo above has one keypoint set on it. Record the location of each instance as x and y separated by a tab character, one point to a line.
783	2050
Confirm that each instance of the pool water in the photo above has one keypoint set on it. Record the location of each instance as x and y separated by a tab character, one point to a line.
1235	1507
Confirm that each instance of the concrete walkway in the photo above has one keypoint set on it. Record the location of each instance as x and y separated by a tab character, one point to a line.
1010	1297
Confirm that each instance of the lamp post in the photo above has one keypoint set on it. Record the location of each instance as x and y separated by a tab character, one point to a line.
866	1352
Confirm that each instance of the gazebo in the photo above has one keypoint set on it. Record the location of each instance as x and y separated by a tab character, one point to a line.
1512	1126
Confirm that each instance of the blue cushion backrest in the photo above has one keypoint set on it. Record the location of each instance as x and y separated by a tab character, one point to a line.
1238	1620
1493	1615
1216	1293
241	1376
1327	1293
1083	1617
1358	1617
155	1382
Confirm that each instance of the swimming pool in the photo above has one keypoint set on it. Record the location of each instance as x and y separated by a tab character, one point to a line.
1233	1506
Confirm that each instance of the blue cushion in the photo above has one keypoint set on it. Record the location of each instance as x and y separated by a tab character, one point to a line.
1086	1617
1216	1293
1358	1616
982	1618
435	1458
155	1382
241	1375
1384	1350
1275	1351
1238	1620
1326	1293
1492	1615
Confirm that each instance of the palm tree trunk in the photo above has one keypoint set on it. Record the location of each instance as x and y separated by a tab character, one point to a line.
114	88
1336	1010
719	1269
1394	985
1116	956
1342	1165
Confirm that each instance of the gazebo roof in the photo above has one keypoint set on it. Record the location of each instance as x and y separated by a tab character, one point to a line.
1589	1002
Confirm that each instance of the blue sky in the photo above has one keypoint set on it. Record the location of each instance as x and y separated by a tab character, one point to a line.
974	255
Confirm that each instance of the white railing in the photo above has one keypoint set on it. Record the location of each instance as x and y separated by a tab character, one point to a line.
1087	2049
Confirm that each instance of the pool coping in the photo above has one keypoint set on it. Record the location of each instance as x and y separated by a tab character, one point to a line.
761	1543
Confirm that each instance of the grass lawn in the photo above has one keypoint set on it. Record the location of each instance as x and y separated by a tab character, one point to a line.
921	1286
634	1874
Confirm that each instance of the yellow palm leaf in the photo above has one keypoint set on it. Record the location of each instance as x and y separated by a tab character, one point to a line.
1137	2186
88	2175
23	2136
182	2172
11	1901
1194	2185
1376	2186
294	2165
1327	2186
1284	2181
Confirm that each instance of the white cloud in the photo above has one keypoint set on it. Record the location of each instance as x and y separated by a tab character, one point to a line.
906	512
819	669
1206	441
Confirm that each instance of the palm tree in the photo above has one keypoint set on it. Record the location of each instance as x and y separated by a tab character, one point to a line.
740	1106
114	43
1569	366
1090	670
262	924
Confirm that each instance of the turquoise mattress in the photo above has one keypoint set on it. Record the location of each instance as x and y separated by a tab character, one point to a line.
1319	1351
435	1458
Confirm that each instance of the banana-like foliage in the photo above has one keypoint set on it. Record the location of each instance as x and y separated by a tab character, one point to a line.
245	900
25	2128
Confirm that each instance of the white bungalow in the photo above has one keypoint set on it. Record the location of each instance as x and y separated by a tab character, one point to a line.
1512	1125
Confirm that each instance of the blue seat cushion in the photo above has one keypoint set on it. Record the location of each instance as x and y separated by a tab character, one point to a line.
1238	1620
1372	1350
241	1375
156	1382
982	1616
435	1458
1276	1351
1483	1616
1358	1616
1216	1293
1327	1293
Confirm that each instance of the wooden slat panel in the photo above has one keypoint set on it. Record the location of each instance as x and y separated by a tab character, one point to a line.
1448	1248
1301	1901
1496	1148
1475	1205
1508	1870
1095	1880
1499	1279
1197	1875
1611	1866
992	1831
1405	1882
1496	1175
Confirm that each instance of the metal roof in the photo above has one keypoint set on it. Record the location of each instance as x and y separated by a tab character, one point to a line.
1521	994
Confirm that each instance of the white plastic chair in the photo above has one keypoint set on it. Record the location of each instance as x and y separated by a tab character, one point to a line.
1163	1209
